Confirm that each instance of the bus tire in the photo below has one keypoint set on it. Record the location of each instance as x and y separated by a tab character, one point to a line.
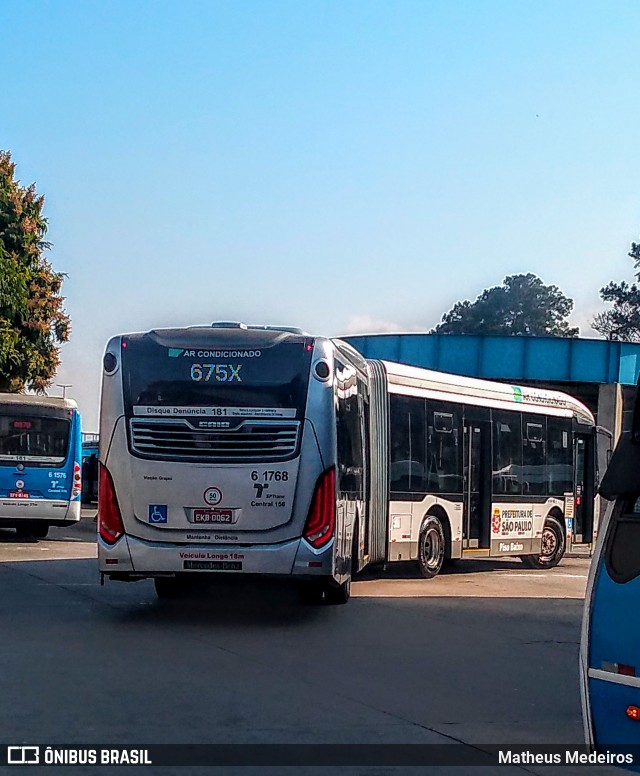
431	547
32	529
40	530
337	595
355	549
169	587
554	544
312	593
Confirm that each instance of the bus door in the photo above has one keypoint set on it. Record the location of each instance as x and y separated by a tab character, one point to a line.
476	485
610	654
584	488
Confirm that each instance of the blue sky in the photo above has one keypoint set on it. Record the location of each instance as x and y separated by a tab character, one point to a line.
342	166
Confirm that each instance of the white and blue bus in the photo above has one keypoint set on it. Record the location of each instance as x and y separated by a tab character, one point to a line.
40	463
260	450
610	644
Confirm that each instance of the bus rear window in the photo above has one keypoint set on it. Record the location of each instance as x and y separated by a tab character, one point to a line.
35	439
235	378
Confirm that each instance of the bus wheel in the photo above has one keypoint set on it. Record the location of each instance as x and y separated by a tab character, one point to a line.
431	547
355	551
32	529
312	593
553	546
169	587
40	530
336	595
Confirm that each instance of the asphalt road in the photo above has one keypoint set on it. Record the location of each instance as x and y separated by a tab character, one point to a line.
484	654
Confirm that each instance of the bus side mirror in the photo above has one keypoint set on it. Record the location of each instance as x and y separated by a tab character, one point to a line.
621	476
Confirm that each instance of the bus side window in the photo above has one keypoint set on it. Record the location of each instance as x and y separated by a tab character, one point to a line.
559	456
407	426
507	453
444	452
348	432
534	473
622	554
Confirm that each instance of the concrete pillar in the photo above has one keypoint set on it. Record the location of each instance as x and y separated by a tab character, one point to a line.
610	409
612	416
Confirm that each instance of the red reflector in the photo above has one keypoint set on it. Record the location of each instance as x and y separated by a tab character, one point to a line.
111	561
626	670
322	513
633	712
110	524
315	564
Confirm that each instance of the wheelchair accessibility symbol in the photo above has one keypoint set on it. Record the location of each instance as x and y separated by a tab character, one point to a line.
157	513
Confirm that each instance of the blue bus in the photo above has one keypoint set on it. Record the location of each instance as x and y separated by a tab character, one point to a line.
40	463
610	644
90	453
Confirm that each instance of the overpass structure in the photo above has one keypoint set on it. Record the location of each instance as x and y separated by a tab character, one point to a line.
600	373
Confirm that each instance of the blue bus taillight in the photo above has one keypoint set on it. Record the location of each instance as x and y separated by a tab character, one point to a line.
77	480
110	524
322	514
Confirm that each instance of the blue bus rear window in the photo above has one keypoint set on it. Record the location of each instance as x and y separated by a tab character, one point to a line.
39	439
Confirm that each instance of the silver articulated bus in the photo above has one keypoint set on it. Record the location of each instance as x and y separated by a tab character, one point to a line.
263	450
483	469
234	448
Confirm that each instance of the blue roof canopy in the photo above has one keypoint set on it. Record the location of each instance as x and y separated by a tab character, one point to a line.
552	359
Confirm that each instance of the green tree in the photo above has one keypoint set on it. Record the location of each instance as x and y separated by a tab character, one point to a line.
521	305
33	322
622	321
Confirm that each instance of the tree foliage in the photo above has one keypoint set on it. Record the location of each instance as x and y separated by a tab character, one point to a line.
622	321
33	322
523	304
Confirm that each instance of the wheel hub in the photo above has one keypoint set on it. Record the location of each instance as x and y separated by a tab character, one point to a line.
549	542
431	547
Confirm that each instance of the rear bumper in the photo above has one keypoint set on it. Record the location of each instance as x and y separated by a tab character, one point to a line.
136	558
13	511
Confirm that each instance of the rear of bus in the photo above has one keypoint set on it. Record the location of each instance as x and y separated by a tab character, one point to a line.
40	469
217	453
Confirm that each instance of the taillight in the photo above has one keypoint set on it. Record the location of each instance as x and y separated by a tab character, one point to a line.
110	525
322	513
77	480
